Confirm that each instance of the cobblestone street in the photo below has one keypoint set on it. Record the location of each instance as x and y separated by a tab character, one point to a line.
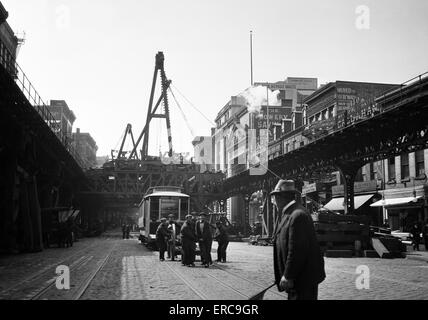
115	269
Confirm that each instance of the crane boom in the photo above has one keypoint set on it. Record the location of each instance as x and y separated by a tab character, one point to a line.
151	112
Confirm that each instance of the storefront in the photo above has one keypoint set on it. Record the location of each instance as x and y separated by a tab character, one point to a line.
366	195
403	207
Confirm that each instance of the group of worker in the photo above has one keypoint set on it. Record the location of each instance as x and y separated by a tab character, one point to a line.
194	230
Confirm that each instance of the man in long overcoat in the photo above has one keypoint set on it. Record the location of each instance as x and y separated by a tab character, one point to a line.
298	261
188	240
205	239
162	237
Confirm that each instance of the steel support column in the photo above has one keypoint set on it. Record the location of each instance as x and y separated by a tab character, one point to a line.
348	172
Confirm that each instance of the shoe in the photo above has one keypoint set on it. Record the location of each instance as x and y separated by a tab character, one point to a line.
162	260
207	266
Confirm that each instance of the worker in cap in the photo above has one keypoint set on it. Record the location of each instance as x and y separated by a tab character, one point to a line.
222	237
162	236
205	239
298	262
188	242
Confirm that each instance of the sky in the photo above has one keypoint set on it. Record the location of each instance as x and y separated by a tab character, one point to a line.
99	55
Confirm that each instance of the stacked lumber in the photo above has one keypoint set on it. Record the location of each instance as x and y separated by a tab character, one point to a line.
342	233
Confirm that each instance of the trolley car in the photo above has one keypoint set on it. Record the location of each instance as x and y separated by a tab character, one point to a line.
158	203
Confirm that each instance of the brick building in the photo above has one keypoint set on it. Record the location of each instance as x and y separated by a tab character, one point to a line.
86	147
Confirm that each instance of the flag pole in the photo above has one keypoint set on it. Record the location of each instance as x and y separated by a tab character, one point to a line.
251	53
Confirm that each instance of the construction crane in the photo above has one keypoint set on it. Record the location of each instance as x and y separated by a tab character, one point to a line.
120	153
152	110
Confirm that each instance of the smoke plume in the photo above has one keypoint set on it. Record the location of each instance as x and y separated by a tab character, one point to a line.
256	97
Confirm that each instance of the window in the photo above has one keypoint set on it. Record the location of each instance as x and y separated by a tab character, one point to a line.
391	169
287	148
420	163
331	112
405	172
359	176
324	114
372	172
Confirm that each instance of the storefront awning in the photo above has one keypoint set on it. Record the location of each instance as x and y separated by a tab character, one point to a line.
395	202
337	204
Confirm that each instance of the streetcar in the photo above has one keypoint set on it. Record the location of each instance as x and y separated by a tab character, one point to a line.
158	203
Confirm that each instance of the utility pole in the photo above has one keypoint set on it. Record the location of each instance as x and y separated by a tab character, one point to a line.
251	53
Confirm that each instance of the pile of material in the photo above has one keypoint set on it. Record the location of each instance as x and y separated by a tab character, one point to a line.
342	235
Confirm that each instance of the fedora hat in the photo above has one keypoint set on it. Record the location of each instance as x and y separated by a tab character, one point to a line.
284	186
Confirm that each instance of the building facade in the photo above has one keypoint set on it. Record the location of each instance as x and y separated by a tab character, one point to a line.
236	125
64	117
8	42
86	147
392	191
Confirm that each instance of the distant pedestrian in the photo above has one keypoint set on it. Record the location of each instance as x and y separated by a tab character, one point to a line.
162	236
298	262
128	231
188	241
416	236
124	231
222	237
204	236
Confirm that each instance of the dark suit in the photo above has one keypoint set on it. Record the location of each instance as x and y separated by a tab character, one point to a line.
297	254
188	241
222	237
205	239
162	235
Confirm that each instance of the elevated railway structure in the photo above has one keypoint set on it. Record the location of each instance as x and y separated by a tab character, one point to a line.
396	123
40	171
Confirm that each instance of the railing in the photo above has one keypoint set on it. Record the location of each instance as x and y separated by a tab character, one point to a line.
363	110
9	64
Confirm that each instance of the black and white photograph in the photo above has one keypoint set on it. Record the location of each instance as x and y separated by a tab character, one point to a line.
214	155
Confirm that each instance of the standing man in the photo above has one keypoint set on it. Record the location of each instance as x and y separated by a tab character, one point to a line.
124	231
205	238
298	262
222	238
188	240
174	230
162	236
416	236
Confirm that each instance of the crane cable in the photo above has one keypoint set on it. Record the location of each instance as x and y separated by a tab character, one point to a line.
116	148
193	106
183	114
